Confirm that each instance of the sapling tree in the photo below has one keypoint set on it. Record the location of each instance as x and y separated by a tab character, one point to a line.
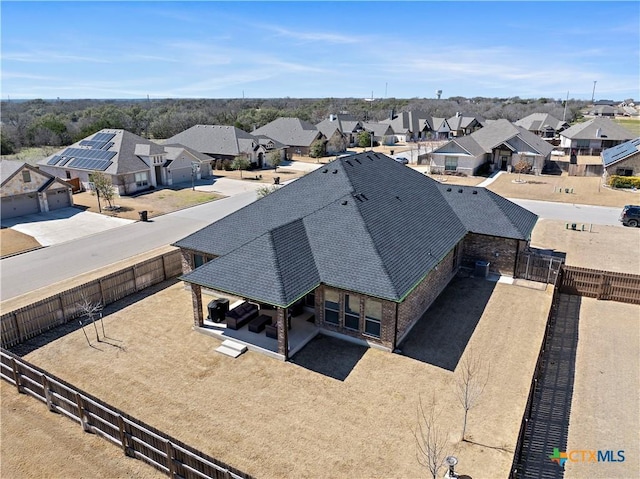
91	311
431	438
472	378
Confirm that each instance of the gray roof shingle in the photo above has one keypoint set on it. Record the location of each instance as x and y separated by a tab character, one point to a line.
290	131
364	223
598	128
620	152
215	140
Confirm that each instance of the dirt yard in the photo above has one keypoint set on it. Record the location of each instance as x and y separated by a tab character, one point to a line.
605	408
610	248
56	447
12	242
284	419
586	190
156	202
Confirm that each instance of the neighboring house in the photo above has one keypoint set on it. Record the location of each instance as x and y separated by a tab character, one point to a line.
345	125
27	190
623	159
295	134
593	136
605	110
410	126
542	124
133	163
183	164
460	125
501	144
381	132
440	129
226	142
364	242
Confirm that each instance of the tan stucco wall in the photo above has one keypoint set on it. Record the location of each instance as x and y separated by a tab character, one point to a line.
15	186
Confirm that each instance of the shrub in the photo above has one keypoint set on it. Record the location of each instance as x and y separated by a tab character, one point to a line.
616	181
218	164
226	165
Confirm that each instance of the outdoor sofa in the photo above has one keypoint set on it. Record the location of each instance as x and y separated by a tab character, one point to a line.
241	315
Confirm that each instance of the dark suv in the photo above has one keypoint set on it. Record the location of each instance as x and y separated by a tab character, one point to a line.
630	215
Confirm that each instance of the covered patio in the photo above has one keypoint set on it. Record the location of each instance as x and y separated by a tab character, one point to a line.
274	339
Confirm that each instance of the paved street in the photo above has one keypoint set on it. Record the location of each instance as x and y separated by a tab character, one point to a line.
581	214
36	269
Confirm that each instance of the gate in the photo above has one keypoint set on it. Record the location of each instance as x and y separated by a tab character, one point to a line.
538	267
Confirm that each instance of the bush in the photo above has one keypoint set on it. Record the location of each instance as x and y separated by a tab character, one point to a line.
218	164
226	165
624	181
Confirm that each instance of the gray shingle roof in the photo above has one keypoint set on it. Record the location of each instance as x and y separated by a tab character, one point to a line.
590	129
215	139
127	147
290	131
620	152
8	168
364	223
537	122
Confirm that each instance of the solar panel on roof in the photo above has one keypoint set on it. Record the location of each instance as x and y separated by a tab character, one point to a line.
90	164
103	137
53	160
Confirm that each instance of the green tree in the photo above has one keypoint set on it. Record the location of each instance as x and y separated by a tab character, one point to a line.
364	139
103	187
275	158
6	145
240	162
317	149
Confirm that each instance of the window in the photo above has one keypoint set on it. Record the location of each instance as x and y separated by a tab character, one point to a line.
582	143
26	176
450	163
68	174
352	311
141	179
199	260
372	317
310	300
331	307
624	172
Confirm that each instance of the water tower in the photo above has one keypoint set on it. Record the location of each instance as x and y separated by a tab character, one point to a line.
438	94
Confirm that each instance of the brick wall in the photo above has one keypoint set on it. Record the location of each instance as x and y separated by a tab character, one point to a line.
499	252
632	163
387	324
419	300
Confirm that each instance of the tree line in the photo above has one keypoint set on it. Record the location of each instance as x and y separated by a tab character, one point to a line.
38	123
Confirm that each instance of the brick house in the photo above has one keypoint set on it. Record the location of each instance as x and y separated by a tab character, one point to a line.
623	159
365	242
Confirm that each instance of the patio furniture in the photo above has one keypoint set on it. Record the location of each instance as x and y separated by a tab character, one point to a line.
241	315
256	325
271	330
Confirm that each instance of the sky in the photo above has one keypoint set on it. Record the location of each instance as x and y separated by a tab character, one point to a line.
307	49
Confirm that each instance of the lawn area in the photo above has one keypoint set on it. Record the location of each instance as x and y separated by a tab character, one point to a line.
156	202
587	190
285	419
631	124
605	405
12	242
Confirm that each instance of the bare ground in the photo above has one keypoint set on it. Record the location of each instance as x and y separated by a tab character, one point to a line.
609	248
605	409
56	446
281	419
586	190
12	242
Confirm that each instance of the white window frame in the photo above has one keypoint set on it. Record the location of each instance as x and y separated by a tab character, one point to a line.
369	319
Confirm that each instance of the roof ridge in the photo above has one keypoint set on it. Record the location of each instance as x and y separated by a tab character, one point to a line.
494	197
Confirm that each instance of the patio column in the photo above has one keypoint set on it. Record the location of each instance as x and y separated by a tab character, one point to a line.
196	299
283	332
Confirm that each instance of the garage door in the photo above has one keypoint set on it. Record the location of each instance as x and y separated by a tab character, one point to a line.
58	199
183	175
19	206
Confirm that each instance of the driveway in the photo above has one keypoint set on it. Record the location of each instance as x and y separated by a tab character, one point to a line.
62	225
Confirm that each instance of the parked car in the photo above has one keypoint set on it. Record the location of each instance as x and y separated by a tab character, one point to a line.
402	159
630	215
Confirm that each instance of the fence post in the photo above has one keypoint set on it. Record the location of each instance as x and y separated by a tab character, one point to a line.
526	272
164	267
549	273
170	463
84	420
47	393
16	375
125	434
600	292
102	298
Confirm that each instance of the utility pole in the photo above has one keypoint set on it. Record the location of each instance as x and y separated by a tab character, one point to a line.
564	115
593	95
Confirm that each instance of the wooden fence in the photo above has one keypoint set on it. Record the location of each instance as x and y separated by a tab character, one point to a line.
21	324
599	284
136	438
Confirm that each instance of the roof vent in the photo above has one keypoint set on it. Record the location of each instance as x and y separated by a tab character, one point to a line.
344	203
398	198
369	157
325	170
460	190
364	197
348	163
358	161
357	197
334	171
448	189
475	192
